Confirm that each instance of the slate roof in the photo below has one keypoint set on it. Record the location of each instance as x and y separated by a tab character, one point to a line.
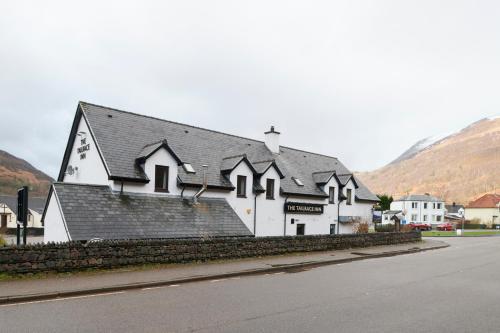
420	197
36	204
94	211
486	201
122	136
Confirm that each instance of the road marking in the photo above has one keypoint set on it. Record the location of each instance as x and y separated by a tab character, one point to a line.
279	273
160	287
212	281
63	299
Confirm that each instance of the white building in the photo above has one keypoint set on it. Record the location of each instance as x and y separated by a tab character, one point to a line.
485	209
417	208
8	213
126	175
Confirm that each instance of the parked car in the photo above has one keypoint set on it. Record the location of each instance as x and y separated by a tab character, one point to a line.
420	226
445	227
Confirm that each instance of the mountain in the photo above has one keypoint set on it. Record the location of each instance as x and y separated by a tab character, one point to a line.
16	172
458	167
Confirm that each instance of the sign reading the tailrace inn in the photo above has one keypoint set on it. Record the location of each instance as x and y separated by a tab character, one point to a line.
84	147
303	208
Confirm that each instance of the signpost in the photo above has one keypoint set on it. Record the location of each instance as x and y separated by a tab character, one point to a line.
22	214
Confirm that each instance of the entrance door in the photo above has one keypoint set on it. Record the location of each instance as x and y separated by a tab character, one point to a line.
301	229
3	221
332	229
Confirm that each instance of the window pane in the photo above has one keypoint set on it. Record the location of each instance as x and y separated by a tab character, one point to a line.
241	186
349	192
161	178
332	195
270	189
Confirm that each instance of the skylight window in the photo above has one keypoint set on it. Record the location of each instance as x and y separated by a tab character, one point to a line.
298	181
188	168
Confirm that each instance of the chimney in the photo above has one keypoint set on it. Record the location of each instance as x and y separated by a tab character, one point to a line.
273	140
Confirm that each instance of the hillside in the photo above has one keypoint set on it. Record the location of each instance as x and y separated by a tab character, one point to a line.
15	172
458	167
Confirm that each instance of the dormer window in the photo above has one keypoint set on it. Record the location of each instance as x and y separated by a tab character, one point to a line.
298	181
241	187
188	168
161	178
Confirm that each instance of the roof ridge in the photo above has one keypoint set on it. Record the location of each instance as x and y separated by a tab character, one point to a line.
200	128
170	121
79	184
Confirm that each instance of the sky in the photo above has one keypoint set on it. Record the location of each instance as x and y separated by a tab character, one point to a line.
358	80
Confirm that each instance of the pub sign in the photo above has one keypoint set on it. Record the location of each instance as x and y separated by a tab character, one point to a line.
303	208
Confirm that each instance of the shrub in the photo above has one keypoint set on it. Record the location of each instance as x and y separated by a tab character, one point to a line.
361	228
384	227
3	242
406	228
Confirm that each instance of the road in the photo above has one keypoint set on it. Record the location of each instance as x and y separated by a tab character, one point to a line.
450	290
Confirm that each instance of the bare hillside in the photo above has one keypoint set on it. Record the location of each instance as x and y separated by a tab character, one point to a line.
458	168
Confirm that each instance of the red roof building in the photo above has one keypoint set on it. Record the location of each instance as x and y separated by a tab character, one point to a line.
486	201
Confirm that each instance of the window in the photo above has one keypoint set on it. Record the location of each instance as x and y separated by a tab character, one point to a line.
161	178
425	218
438	218
298	181
439	206
425	205
414	217
241	188
188	168
331	195
386	217
270	189
414	205
349	197
332	229
301	229
434	205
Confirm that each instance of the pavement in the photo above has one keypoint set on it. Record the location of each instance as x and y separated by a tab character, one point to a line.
104	281
454	289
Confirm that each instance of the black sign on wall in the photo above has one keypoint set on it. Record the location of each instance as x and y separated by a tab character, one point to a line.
303	208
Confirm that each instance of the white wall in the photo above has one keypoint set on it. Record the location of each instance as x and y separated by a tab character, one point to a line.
55	230
484	214
91	169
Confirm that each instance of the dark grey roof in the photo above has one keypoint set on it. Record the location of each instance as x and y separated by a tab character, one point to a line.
122	137
93	211
419	197
453	209
392	212
323	177
36	204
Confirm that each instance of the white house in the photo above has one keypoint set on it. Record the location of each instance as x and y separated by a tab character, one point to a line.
126	175
8	210
486	209
417	208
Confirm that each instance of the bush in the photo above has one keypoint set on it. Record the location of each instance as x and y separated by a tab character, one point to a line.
385	227
361	228
406	228
3	242
468	226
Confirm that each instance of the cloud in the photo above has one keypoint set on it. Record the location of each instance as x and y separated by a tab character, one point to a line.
360	80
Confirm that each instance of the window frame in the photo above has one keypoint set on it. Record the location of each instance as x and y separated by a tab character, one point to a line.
348	193
270	191
331	196
241	180
165	173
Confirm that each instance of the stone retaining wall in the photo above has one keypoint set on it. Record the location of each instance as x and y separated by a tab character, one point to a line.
63	257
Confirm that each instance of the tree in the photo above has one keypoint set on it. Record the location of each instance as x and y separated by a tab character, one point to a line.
385	202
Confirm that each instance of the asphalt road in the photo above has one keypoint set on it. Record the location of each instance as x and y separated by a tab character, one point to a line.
450	290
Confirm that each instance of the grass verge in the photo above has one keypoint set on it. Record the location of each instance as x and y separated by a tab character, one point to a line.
454	233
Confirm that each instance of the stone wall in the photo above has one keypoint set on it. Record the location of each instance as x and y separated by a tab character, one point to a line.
63	257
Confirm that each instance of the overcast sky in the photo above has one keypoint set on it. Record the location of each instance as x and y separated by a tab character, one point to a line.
359	80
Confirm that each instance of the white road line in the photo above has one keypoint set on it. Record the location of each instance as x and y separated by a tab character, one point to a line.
212	281
63	299
160	287
279	273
